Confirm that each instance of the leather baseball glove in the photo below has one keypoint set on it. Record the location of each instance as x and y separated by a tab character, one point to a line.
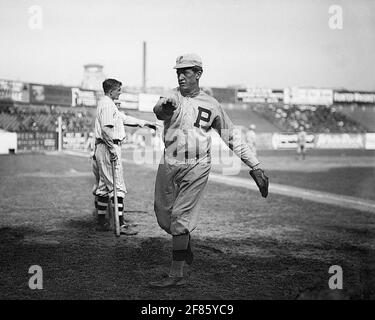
169	105
261	180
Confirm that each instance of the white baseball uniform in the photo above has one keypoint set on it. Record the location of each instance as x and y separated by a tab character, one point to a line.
108	115
183	172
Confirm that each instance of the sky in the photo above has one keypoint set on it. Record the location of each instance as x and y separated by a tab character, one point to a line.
266	43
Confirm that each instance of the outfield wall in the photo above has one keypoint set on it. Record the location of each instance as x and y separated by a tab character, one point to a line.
37	141
288	141
264	141
47	141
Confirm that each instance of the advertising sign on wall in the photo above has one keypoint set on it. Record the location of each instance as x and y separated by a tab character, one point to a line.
74	141
37	140
86	98
260	95
14	91
340	141
353	97
309	96
50	95
289	141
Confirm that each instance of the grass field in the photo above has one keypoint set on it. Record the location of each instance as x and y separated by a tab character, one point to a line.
245	247
349	173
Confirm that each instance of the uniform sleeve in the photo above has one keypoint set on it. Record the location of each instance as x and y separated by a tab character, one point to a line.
233	138
131	121
106	117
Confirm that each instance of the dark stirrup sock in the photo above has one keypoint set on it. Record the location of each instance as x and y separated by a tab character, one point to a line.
179	253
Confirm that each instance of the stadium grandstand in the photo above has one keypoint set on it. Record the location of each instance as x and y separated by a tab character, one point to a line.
36	108
364	115
316	119
34	119
244	115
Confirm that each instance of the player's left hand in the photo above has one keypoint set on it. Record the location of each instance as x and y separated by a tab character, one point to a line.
261	180
113	156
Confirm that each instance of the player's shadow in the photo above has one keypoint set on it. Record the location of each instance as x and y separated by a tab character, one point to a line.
88	223
12	235
78	266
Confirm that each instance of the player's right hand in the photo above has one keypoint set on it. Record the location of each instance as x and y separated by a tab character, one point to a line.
113	156
169	104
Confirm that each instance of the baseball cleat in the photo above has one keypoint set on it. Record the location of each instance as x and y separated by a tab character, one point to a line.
130	224
170	282
127	231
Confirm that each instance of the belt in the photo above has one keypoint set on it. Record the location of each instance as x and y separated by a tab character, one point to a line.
115	141
197	155
188	157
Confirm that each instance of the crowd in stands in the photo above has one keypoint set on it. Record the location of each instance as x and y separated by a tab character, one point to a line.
27	119
287	118
318	119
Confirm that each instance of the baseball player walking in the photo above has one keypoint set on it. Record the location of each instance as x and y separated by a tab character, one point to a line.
109	135
189	114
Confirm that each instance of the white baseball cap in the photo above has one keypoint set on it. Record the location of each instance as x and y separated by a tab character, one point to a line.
188	60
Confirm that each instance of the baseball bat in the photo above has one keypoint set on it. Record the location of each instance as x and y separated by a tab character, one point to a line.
116	217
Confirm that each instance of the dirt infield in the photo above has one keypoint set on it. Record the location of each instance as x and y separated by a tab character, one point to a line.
245	247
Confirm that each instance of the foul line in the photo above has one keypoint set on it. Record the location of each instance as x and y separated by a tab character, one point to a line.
307	194
285	190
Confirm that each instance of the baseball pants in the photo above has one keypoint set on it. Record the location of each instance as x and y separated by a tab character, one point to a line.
95	171
178	192
105	186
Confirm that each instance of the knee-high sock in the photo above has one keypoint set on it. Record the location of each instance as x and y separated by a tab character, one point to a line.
120	207
180	244
101	204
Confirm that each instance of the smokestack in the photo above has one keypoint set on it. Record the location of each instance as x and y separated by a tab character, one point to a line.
144	67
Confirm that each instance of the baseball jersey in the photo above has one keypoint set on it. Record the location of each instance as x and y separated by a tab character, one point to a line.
107	114
187	131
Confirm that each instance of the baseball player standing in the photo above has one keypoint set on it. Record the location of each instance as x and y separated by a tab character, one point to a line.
109	135
301	143
189	114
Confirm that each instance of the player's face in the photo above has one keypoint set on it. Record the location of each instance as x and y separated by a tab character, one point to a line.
187	78
115	93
